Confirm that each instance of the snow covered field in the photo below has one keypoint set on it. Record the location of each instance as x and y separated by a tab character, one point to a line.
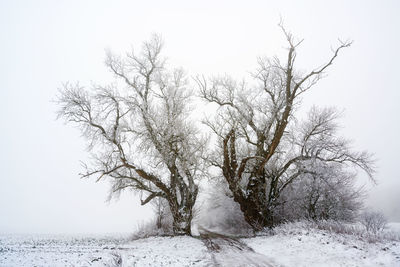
291	245
298	246
101	251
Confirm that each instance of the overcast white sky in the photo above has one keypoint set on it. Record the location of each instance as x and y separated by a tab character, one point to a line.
45	43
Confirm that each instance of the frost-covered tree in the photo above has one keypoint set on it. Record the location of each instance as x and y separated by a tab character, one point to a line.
374	221
163	218
262	149
328	192
138	131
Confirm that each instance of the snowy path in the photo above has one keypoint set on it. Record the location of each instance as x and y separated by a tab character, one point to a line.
227	251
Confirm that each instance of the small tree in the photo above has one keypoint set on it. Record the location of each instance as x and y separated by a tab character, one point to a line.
327	193
139	133
162	215
262	149
373	221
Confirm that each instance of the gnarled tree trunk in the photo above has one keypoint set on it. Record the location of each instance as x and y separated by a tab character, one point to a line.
182	212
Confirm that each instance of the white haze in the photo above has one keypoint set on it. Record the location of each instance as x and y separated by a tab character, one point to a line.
45	43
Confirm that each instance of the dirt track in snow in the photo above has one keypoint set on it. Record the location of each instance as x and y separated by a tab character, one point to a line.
228	251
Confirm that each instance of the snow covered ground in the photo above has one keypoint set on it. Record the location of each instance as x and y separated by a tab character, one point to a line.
393	226
17	250
297	245
294	244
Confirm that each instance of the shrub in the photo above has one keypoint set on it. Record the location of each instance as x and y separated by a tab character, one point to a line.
373	221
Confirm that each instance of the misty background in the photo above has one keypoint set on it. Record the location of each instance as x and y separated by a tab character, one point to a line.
45	43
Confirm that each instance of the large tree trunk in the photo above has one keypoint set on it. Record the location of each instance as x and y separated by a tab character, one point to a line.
254	206
254	217
182	224
182	213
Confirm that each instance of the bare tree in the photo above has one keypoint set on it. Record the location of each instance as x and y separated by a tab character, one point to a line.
373	221
261	148
139	133
327	193
163	215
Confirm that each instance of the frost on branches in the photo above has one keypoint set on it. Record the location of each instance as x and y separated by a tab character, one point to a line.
138	131
262	150
276	166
